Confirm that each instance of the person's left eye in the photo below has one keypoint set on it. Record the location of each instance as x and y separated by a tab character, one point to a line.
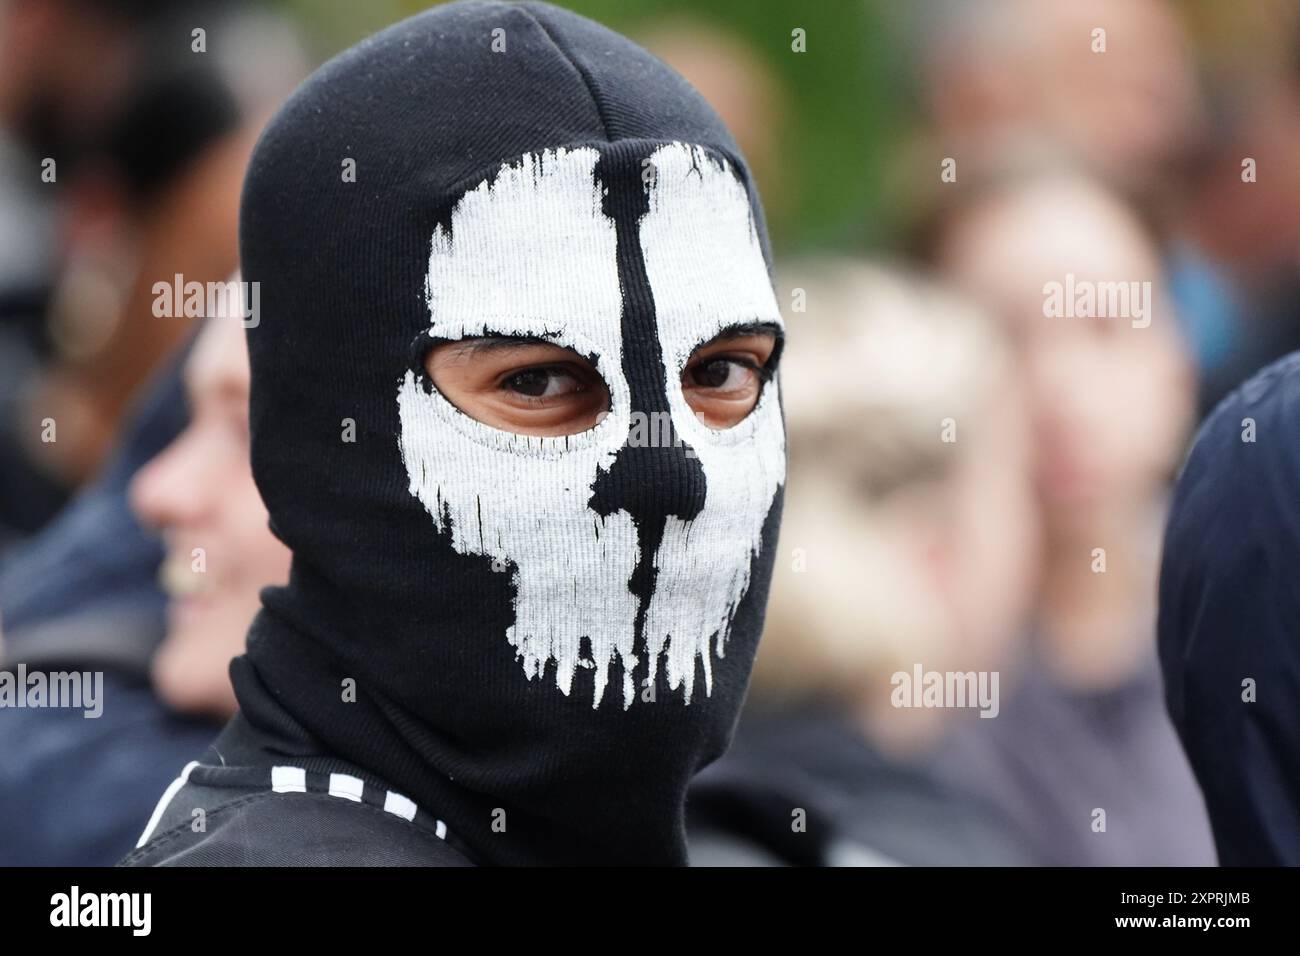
724	374
724	378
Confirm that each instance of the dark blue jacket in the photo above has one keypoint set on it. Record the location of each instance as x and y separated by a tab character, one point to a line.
1229	629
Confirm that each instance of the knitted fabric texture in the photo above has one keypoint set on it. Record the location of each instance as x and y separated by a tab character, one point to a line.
547	637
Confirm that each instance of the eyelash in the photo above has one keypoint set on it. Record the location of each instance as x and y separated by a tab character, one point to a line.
576	375
764	372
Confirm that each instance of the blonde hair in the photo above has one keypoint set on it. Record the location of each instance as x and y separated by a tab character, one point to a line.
876	364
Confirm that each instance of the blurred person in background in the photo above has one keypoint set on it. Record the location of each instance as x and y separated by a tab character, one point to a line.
1006	76
64	66
173	130
147	170
1083	755
199	494
153	195
1242	213
1028	81
909	539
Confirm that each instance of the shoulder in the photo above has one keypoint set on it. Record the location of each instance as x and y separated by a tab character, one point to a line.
266	828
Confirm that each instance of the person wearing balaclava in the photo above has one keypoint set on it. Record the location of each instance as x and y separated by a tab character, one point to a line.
1229	603
514	412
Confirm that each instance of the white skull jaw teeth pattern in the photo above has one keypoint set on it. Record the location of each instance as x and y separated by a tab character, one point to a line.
527	501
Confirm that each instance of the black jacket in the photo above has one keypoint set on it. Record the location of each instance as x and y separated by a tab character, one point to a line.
252	801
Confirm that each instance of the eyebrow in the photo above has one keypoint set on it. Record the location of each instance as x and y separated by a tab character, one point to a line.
498	343
501	343
742	329
749	328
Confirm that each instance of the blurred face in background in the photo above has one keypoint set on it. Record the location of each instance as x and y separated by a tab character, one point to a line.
937	572
199	493
898	545
954	548
1133	107
1033	70
1111	401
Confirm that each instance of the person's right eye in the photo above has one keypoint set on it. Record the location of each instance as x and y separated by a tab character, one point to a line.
543	383
526	386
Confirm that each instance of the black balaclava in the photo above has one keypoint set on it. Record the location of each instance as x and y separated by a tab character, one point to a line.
1229	628
548	636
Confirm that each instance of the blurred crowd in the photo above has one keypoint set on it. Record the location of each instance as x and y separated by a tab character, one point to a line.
975	486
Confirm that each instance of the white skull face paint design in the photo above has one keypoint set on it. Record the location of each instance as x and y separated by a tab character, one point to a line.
531	253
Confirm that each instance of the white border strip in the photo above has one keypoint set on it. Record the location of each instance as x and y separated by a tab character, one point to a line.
167	796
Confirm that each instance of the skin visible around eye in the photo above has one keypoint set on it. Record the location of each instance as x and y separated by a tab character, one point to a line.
532	387
724	379
524	386
543	383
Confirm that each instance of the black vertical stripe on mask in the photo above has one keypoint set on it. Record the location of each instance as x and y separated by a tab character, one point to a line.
649	483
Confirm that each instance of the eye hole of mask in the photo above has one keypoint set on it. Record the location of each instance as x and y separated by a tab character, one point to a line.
724	378
533	387
522	385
